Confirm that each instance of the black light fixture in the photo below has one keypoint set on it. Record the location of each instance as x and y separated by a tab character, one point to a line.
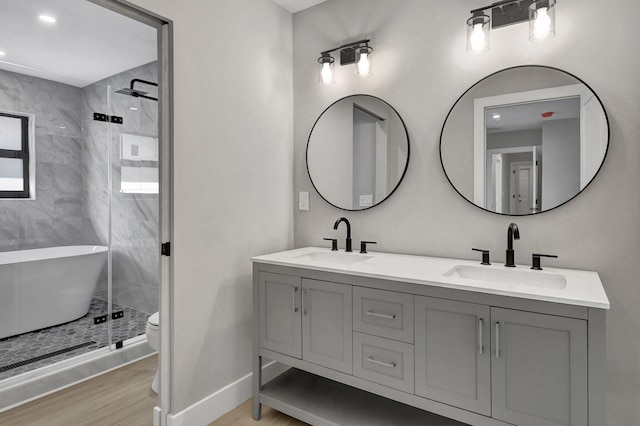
357	52
539	13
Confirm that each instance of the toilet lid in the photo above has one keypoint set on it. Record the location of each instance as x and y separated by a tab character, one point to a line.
154	319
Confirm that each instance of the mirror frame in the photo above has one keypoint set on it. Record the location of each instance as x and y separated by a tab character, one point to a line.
579	81
406	166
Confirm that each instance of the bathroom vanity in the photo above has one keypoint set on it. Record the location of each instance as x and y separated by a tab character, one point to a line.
383	338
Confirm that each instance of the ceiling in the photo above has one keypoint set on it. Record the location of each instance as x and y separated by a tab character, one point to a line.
294	6
528	116
87	43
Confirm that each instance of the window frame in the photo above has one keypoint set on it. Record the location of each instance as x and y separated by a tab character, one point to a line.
23	154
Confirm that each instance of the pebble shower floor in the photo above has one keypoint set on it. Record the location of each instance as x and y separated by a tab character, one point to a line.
29	351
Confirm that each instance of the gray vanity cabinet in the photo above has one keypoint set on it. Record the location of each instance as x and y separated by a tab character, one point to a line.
327	324
452	359
279	313
357	343
539	369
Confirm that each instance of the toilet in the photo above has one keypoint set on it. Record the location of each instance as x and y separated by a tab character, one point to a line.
153	338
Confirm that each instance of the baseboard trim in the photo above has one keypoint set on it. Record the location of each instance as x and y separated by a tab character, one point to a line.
226	399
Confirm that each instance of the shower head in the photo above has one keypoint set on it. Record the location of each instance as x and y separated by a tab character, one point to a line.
131	91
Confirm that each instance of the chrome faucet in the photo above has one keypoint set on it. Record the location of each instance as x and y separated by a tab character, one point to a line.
346	221
512	233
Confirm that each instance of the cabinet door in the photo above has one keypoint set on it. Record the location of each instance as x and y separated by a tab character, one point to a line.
326	324
452	353
539	369
280	317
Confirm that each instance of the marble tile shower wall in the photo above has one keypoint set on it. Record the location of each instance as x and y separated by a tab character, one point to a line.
57	216
135	238
71	205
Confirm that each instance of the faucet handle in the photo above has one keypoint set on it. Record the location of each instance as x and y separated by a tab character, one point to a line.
334	243
363	245
485	256
536	260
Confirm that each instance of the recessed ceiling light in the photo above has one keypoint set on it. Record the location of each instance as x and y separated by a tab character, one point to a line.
133	108
496	116
47	18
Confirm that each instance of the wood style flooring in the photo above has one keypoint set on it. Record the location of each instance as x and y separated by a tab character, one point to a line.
241	416
121	397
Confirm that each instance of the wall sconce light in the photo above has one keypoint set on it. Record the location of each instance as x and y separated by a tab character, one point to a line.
358	53
542	20
541	15
325	69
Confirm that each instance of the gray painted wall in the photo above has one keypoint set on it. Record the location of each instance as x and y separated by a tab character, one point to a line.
516	138
560	161
421	68
233	179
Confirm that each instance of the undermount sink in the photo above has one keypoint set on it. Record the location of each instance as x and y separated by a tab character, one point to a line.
340	258
507	276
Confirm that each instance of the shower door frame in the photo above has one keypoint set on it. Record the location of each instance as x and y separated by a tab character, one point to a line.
165	138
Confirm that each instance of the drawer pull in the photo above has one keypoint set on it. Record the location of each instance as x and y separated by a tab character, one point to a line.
378	315
385	364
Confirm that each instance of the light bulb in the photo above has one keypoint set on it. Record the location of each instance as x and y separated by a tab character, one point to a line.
477	38
47	18
363	64
326	74
542	24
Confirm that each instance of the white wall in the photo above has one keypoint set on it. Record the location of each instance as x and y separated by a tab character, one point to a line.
421	68
232	178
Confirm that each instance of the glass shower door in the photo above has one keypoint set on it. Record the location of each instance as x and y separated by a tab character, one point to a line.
134	202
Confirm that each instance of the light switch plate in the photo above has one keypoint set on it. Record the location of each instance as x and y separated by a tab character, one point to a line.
366	200
303	200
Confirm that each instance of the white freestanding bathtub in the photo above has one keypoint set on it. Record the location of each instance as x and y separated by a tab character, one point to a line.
43	287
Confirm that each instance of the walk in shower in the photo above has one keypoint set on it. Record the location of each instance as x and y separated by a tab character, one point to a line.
79	187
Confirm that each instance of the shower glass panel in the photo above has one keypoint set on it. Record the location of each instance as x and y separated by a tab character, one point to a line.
134	194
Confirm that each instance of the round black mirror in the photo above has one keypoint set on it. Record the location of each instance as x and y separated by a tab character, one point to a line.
524	140
358	152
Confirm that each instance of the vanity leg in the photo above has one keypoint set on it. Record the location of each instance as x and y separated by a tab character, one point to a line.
257	384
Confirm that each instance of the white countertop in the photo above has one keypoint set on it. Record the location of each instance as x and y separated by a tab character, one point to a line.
583	288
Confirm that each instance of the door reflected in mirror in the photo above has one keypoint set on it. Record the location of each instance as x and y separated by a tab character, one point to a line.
524	140
358	152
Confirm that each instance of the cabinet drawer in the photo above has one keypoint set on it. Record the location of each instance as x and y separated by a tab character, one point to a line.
383	313
383	361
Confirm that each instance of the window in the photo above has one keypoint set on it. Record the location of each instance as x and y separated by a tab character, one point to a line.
14	156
